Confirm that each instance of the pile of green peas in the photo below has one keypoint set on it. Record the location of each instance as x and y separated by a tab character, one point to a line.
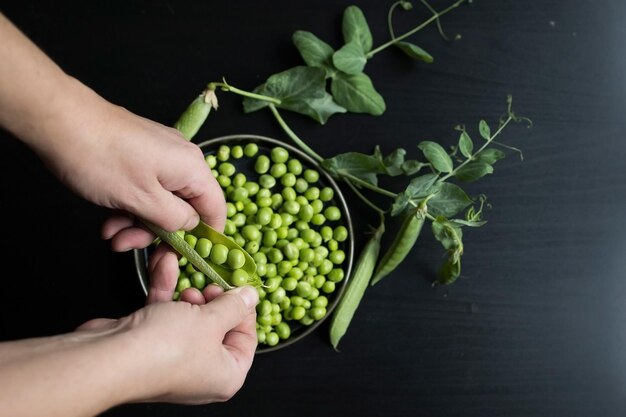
290	226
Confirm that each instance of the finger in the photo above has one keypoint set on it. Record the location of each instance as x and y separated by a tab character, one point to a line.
166	210
131	238
97	324
115	224
211	291
242	342
211	204
192	296
234	306
163	265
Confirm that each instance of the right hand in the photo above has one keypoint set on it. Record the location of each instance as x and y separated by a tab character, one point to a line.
188	353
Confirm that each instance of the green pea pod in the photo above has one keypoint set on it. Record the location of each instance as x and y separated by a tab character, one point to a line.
401	246
355	289
196	113
204	230
216	273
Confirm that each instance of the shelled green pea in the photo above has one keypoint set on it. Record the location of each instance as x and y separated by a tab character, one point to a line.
280	215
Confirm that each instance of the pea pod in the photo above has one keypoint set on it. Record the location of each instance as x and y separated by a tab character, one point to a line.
216	273
356	287
401	246
204	230
196	113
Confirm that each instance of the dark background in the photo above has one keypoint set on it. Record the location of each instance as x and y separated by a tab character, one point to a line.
535	326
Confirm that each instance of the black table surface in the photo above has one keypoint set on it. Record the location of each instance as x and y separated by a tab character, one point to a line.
536	324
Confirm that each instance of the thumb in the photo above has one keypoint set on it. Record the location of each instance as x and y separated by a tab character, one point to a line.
232	307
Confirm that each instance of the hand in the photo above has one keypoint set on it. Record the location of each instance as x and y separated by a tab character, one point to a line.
105	153
194	351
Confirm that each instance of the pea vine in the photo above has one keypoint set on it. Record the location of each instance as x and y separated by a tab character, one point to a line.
333	81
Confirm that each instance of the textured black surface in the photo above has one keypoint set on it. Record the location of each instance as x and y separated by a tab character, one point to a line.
535	327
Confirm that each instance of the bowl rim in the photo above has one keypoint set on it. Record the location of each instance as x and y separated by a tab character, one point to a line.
140	255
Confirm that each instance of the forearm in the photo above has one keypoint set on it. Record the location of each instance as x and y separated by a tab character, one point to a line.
76	374
39	102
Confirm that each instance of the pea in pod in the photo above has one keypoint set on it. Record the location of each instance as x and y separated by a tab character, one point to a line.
401	246
216	273
196	113
204	230
349	302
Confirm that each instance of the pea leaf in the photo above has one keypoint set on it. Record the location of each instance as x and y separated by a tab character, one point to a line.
447	233
319	109
360	165
469	223
412	166
354	27
314	51
357	94
415	52
484	130
466	146
437	156
473	171
350	58
422	186
400	203
419	188
449	200
393	162
490	156
301	89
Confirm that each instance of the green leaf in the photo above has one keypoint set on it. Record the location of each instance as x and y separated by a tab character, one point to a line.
447	233
357	94
412	166
301	89
319	109
437	156
350	58
469	223
355	28
393	162
251	105
415	52
466	145
314	51
490	156
473	171
362	166
484	130
450	200
422	186
400	203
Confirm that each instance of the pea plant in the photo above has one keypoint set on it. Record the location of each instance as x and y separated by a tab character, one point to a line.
332	81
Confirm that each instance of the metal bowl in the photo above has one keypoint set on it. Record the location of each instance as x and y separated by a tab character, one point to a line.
298	331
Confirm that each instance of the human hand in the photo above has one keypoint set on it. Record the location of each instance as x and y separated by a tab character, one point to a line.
103	152
194	351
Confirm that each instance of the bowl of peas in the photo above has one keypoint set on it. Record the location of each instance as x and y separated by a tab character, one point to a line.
290	216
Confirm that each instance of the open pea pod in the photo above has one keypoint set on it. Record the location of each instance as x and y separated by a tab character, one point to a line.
206	231
216	273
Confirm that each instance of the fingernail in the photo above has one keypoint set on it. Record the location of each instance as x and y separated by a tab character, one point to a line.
250	296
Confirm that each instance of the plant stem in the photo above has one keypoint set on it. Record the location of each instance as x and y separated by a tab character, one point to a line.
433	18
389	14
293	135
487	143
227	87
366	184
365	199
